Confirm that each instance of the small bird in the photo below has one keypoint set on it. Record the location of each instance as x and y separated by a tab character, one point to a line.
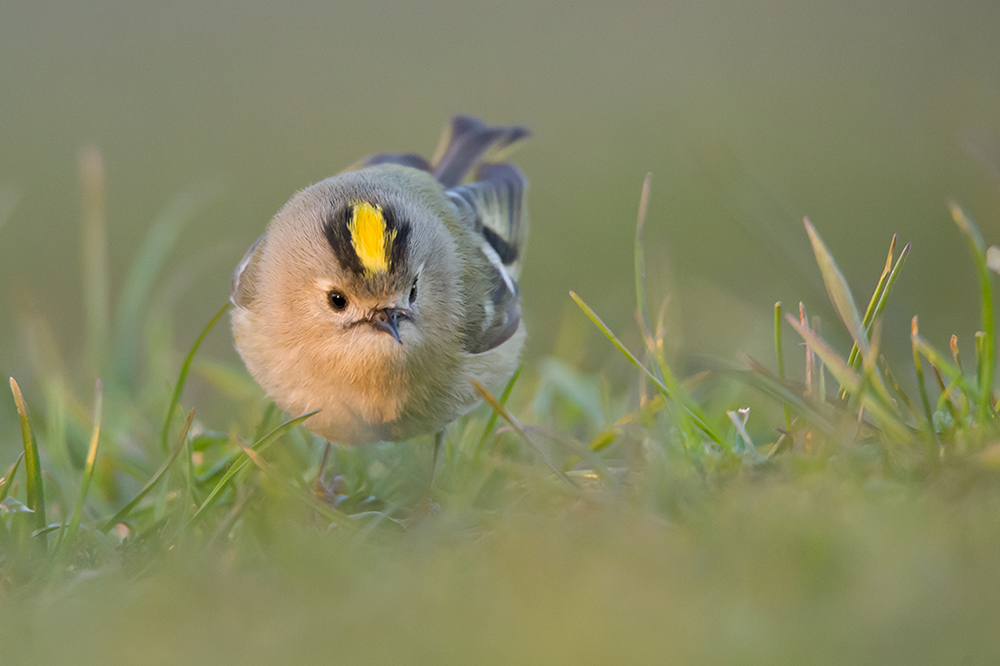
378	295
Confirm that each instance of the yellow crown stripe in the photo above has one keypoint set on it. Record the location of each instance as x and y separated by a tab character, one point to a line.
371	240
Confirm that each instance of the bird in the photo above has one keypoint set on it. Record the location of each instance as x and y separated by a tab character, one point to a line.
380	295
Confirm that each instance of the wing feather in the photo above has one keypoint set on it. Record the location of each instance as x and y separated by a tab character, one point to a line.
495	208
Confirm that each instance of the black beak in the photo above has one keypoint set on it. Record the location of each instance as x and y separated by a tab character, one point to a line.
387	320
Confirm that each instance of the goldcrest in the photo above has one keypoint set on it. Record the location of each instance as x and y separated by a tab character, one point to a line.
377	295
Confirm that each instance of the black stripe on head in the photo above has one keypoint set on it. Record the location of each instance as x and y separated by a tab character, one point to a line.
400	244
337	230
339	237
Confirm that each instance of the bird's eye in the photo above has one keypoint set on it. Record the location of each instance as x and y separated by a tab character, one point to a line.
336	300
413	291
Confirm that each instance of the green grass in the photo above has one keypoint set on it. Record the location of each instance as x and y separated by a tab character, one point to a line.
848	519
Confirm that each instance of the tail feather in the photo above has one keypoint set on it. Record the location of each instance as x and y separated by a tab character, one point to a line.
468	141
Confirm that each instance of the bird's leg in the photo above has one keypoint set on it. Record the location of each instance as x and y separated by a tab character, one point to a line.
319	489
438	441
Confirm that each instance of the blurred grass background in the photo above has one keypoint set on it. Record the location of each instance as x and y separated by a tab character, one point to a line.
864	116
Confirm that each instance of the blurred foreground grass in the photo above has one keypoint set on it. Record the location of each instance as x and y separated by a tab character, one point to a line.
850	520
768	570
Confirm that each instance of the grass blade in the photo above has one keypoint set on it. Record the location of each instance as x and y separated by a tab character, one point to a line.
810	354
883	299
897	390
6	539
876	296
88	470
781	362
308	498
820	373
838	290
655	348
692	410
762	379
493	414
986	366
516	425
882	291
654	344
32	466
956	355
125	510
924	400
939	361
981	353
237	465
182	378
852	381
8	481
641	306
